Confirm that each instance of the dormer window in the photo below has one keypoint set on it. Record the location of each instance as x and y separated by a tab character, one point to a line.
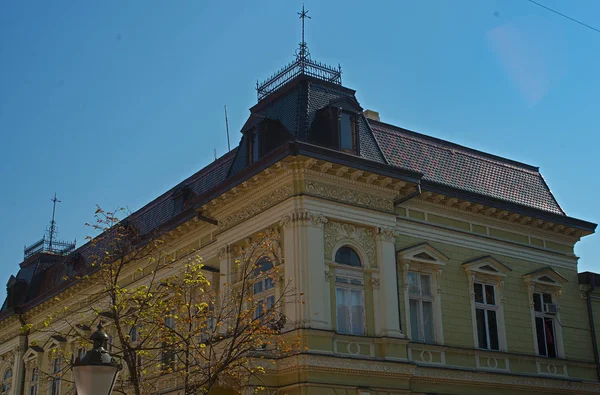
335	128
266	136
347	132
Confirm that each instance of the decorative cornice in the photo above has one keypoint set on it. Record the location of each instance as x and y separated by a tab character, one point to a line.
348	196
255	207
445	202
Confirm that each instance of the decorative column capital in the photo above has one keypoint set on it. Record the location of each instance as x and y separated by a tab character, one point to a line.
223	252
314	219
387	234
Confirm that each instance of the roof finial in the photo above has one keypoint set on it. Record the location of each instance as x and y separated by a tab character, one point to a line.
303	53
52	229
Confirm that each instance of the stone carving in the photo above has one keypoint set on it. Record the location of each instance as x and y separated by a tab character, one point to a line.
364	237
255	208
375	282
387	234
297	215
349	196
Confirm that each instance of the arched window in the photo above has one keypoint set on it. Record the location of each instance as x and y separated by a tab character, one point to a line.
349	293
347	256
7	381
263	288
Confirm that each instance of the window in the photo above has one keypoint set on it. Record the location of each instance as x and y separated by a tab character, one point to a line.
170	320
346	128
347	256
349	293
421	307
544	287
55	383
486	312
7	381
265	137
335	128
422	279
263	288
133	333
486	285
545	315
33	381
350	308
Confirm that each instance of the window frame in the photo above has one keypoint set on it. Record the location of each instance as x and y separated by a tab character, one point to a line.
486	307
353	118
488	271
267	288
349	281
55	381
7	381
423	259
543	315
34	381
420	298
546	281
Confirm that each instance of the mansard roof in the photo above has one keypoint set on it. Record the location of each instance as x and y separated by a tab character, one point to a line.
384	149
453	165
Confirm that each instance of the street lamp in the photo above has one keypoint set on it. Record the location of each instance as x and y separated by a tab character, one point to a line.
96	372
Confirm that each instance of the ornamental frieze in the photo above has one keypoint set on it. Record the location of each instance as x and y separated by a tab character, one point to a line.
348	196
256	207
336	232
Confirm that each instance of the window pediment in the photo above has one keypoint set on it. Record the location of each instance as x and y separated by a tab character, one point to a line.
545	276
422	253
487	265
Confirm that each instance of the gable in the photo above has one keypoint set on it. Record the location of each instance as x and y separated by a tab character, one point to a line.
487	265
545	276
424	253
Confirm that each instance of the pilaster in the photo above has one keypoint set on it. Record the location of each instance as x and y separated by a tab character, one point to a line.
385	286
304	268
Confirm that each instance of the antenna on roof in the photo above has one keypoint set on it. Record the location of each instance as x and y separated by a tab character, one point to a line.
215	153
227	127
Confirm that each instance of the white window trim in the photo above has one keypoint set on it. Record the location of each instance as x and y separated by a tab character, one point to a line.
487	307
350	272
413	259
546	280
490	271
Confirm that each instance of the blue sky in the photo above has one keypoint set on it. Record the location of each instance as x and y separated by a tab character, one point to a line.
115	102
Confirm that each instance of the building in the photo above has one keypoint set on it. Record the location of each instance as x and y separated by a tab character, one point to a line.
427	267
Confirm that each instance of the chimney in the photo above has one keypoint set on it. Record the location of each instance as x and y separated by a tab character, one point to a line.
370	114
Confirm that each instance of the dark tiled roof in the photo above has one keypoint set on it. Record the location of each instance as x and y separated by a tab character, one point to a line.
49	273
465	169
162	208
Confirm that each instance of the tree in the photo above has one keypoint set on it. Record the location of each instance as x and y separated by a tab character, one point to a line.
172	318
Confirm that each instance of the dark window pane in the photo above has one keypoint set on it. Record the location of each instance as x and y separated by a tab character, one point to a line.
346	132
550	343
347	256
493	327
255	147
478	293
541	340
547	298
537	302
481	329
489	295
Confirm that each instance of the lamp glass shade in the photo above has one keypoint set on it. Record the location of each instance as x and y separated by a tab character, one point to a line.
95	379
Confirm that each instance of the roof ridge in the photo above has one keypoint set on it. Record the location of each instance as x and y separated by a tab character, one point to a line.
445	144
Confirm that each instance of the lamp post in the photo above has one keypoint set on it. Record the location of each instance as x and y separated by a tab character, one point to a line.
96	372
